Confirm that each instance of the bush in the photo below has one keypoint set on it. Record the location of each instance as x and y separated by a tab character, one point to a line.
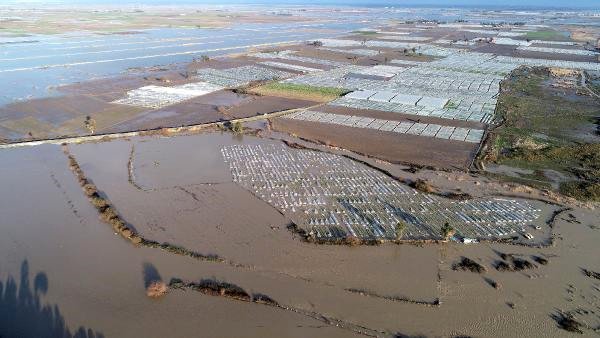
447	231
117	224
591	274
135	239
540	260
237	127
502	266
108	214
468	264
581	190
156	289
400	228
423	186
567	322
352	240
99	202
522	264
126	233
90	190
263	299
218	288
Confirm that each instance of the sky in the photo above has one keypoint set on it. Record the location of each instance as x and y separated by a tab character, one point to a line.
592	4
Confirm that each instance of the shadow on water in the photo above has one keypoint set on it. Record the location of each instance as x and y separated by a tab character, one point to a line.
22	313
151	275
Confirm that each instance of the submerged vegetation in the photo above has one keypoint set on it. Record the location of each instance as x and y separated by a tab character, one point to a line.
511	263
567	322
109	215
213	287
467	264
543	130
106	211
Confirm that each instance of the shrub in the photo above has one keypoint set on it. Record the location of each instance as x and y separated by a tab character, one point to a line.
99	202
108	214
540	260
352	240
126	233
522	264
447	231
423	186
263	299
237	127
400	228
581	190
117	224
156	289
218	288
567	322
135	239
90	189
468	264
591	274
502	266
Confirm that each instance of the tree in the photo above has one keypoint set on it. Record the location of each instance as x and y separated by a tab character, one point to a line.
447	231
90	124
400	228
237	127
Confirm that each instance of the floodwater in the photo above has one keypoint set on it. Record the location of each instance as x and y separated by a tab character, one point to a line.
183	193
64	272
32	66
32	69
56	254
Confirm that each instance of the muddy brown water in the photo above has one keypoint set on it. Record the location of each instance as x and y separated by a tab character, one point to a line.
196	204
96	279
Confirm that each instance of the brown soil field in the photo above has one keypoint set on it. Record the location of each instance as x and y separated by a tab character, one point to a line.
214	107
65	115
507	50
388	146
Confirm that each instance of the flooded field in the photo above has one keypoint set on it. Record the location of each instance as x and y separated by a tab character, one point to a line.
197	205
36	69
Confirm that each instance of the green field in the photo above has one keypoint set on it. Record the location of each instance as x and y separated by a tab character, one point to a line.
547	35
541	130
300	91
365	32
